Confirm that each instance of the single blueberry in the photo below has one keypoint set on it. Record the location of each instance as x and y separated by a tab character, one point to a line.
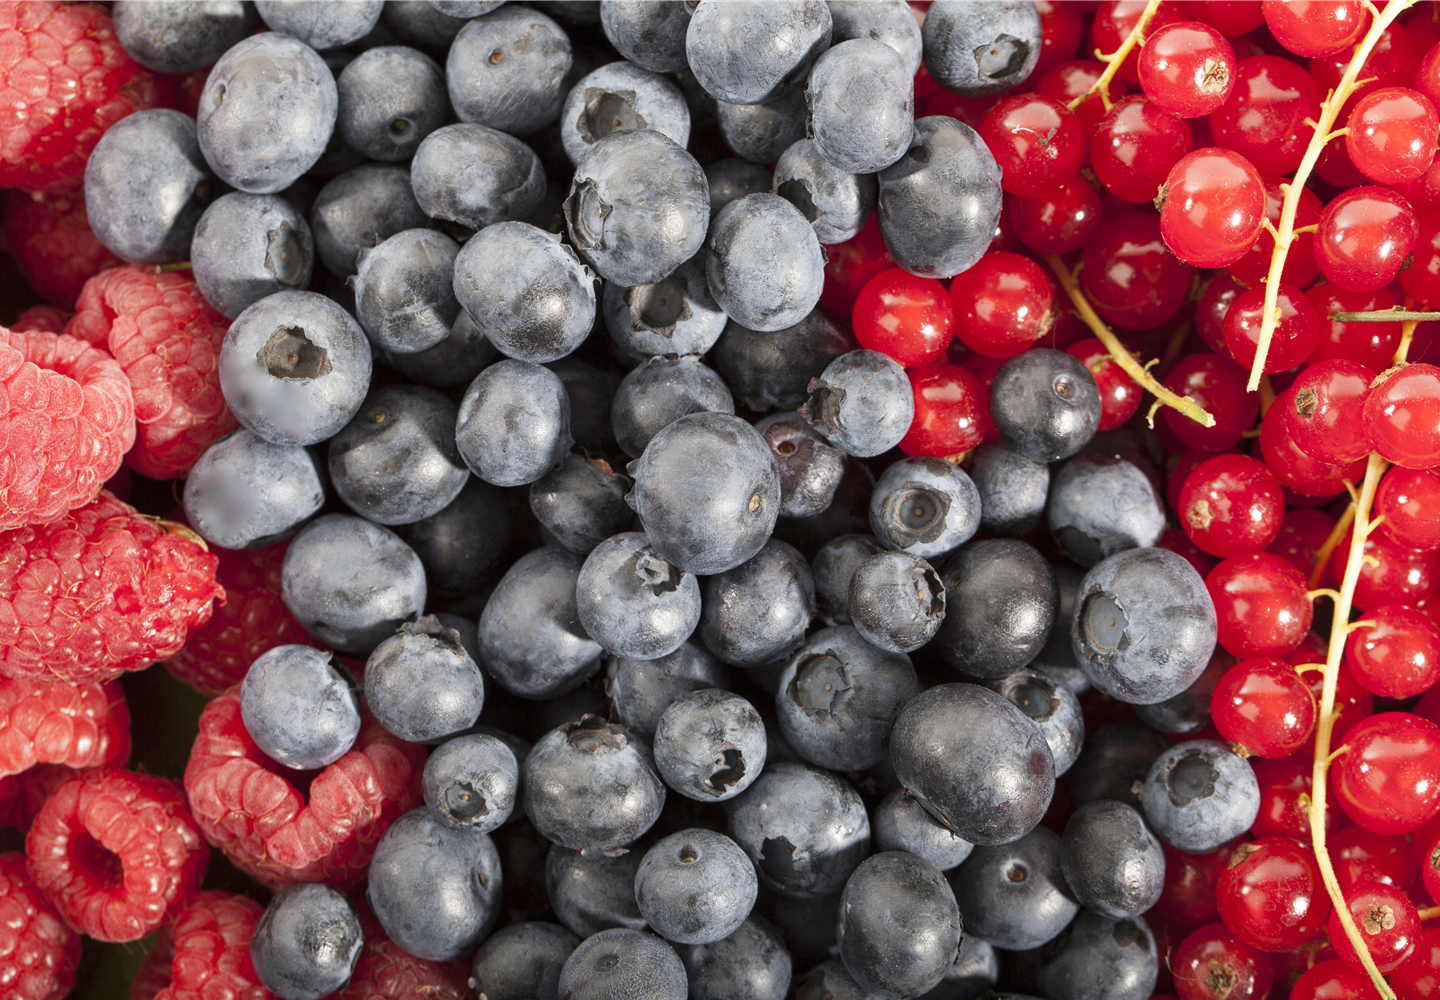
619	97
981	47
530	634
1013	489
902	824
523	961
710	745
750	964
405	290
472	781
733	178
319	23
422	24
925	507
506	70
658	392
300	707
897	601
421	684
592	894
862	105
1100	958
244	491
757	612
1045	404
464	353
760	133
248	246
772	371
641	690
362	208
181	37
1100	505
833	568
695	887
513	425
765	266
621	963
1112	862
749	53
459	544
650	34
1199	795
581	503
1051	706
837	202
307	941
888	21
634	603
1002	601
862	403
899	926
1014	895
811	469
675	315
472	176
390	98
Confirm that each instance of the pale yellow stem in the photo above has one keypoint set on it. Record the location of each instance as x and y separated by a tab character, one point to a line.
1114	59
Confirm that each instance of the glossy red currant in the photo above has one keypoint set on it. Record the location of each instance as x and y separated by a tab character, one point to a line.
1294	467
1302	532
1316	27
1393	574
1135	146
1352	702
1294	336
1187	69
1326	413
1073	79
1211	207
1361	856
1216	295
908	317
1263	119
1119	393
1393	62
1363	238
1212	963
1229	17
1231	505
1002	305
1130	276
1387	922
1271	895
1421	280
1179	543
1397	655
1217	385
853	263
1260	605
1418	977
1402	416
1391	134
1253	267
952	411
1036	141
1409	500
1283	781
1388	780
1332	979
1264	706
1061	31
1116	19
1063	219
1371	344
1188	897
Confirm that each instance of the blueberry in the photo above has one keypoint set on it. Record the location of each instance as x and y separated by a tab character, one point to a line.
530	634
902	824
1143	627
396	461
939	204
300	707
1099	506
460	543
528	291
834	567
981	48
248	246
924	506
319	23
146	185
899	926
634	603
1115	761
472	176
660	391
506	69
390	98
434	887
760	133
266	112
404	290
897	601
361	208
695	887
837	202
641	690
351	583
710	746
621	964
591	392
974	973
978	763
592	894
421	684
1014	895
244	491
1188	711
1051	706
472	782
181	37
591	786
733	178
707	492
838	698
1002	600
675	315
456	360
466	8
830	981
805	829
514	423
523	961
758	612
862	403
307	941
766	267
1199	795
811	469
421	23
294	368
1057	658
1112	862
639	206
1012	488
1045	404
862	105
581	503
769	371
750	964
1099	958
748	53
619	97
888	21
649	34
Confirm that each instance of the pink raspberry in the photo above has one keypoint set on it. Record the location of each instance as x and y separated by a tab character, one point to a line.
38	953
51	722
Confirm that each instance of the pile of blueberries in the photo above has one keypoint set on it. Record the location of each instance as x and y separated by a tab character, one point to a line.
529	357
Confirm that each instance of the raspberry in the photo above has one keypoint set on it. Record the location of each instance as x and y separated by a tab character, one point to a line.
212	950
117	852
38	953
101	591
66	418
167	339
252	620
22	795
154	973
251	808
53	246
48	319
388	972
64	79
77	725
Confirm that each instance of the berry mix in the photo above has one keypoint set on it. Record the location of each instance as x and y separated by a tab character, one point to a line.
720	500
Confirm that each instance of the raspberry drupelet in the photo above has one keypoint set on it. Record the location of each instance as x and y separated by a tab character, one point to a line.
77	725
38	953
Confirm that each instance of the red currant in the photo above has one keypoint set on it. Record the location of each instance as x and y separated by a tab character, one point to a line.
1217	385
1264	706
1362	856
1211	207
905	316
952	411
1399	655
1116	19
1333	980
1130	276
1074	79
1213	964
1418	977
1371	344
1135	146
1263	119
1036	141
1283	781
1352	702
1300	267
1316	27
1326	413
1409	500
1393	62
1271	895
1002	305
1421	280
1231	505
1295	469
1260	605
1363	238
1393	575
1179	543
1229	17
1302	533
1065	218
1337	169
1119	393
1387	922
1215	298
1188	897
1402	416
1295	333
1061	32
1388	780
1187	69
1391	135
853	263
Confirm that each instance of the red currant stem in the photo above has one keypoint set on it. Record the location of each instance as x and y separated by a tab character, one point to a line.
1325	725
1428	913
1121	356
1329	592
1407	334
1114	59
1307	667
1322	558
1267	395
1385	316
1329	111
179	265
1301	231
